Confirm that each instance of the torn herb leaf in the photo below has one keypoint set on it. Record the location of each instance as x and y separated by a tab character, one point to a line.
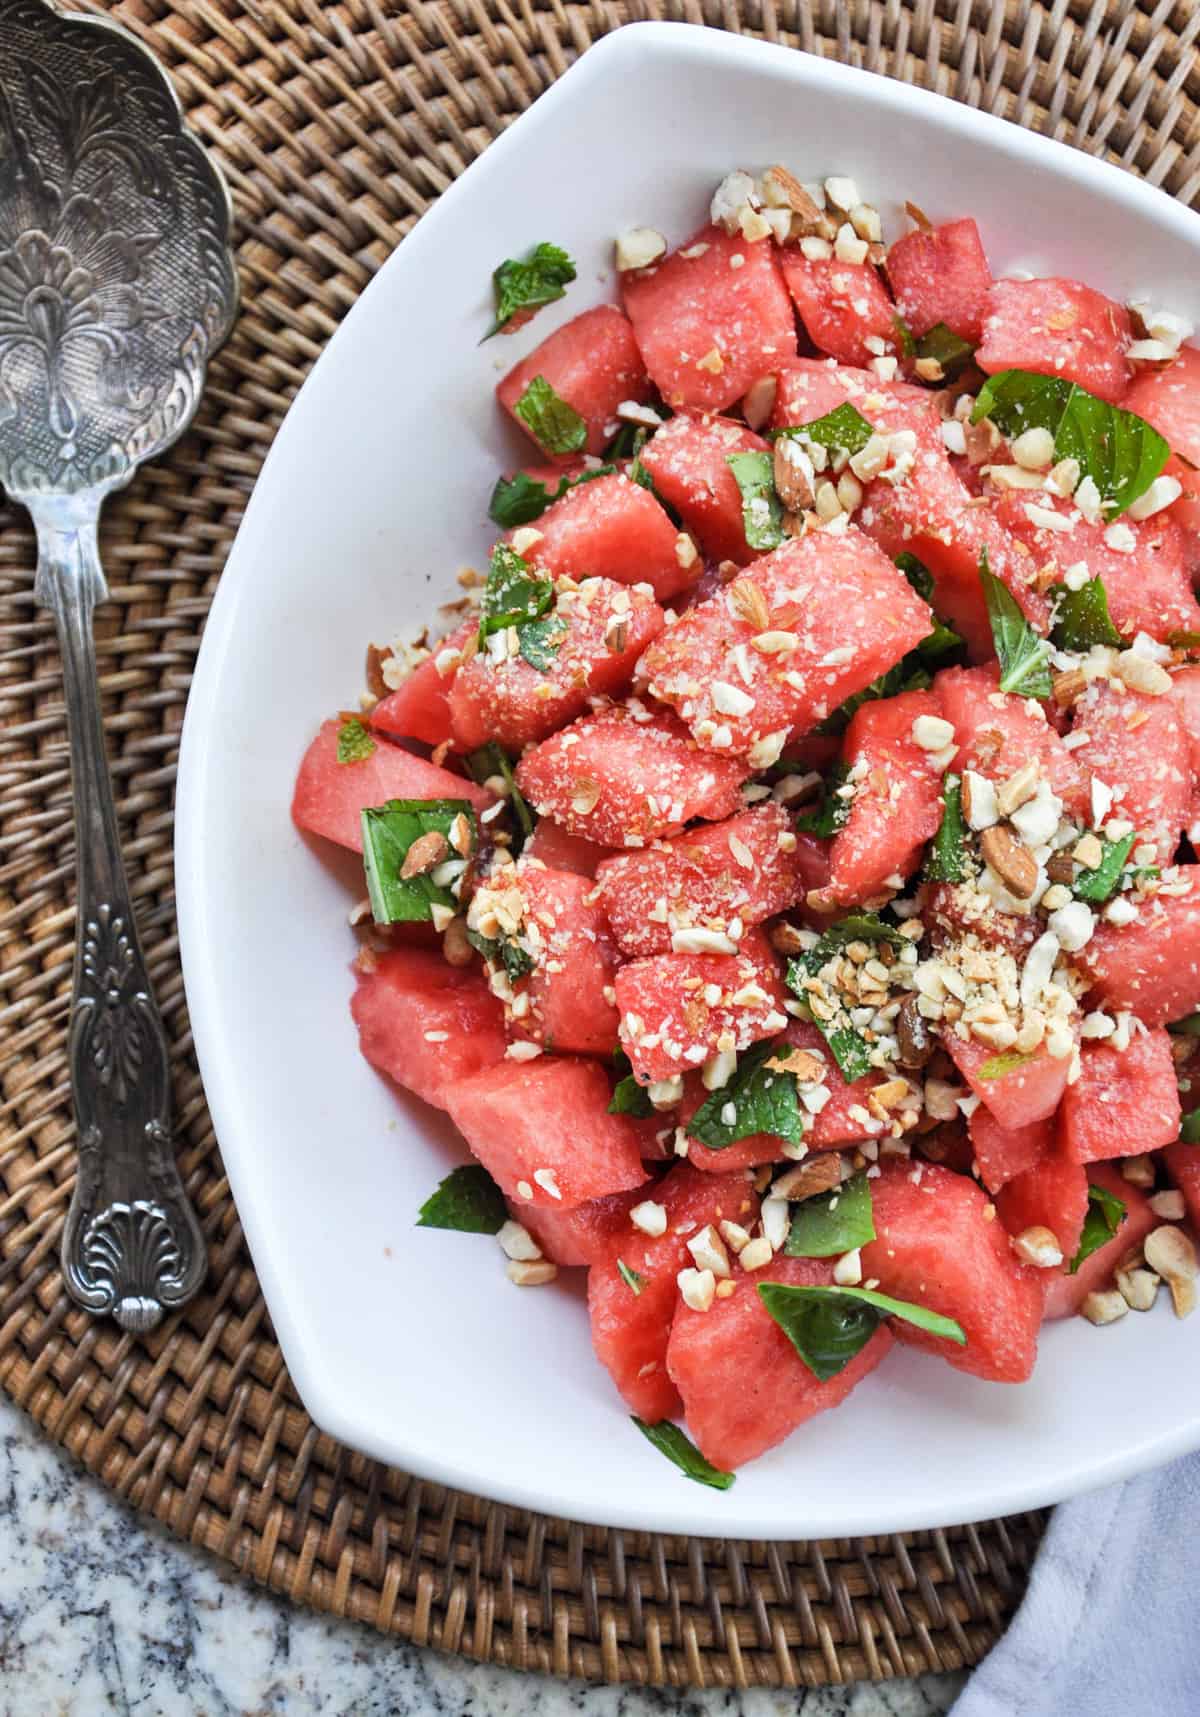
540	640
947	857
628	1098
1081	617
513	594
1102	883
758	1099
679	1449
491	761
553	423
832	1222
1105	1214
762	511
1023	655
504	951
829	1326
831	810
631	1279
468	1200
527	283
519	499
354	742
948	350
842	430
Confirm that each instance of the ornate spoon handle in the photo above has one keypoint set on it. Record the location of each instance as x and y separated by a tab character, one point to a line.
131	1246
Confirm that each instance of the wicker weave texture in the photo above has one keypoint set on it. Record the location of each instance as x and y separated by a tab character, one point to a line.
337	124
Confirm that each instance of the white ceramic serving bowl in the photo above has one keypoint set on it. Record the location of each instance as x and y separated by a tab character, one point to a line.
409	1344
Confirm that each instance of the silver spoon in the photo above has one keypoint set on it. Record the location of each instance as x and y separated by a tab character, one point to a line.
116	286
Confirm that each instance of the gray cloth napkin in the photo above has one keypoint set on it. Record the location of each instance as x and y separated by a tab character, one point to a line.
1108	1627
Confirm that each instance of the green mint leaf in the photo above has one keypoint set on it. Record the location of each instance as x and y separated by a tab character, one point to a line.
997	1066
904	336
828	1326
512	594
628	1098
1189	1128
467	1200
1081	617
530	282
388	831
947	349
630	1277
833	1222
1105	1214
489	761
1184	640
917	574
1118	450
843	430
518	500
1188	1026
947	858
540	640
354	742
758	1099
504	951
1024	665
907	675
849	1048
628	442
553	423
1102	883
830	812
857	927
679	1449
762	512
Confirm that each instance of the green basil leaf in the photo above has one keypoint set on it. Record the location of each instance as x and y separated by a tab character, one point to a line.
1189	1128
947	349
491	760
1081	617
842	430
512	594
1118	450
857	927
468	1200
504	951
519	499
1184	640
762	511
830	812
388	831
904	336
833	1222
628	1098
758	1099
848	1047
679	1449
528	283
1102	883
1105	1214
1188	1026
907	675
941	644
1024	666
997	1066
630	1277
917	574
829	1326
947	857
354	742
540	641
553	423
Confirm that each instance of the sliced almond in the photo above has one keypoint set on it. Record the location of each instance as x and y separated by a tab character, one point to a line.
1012	862
815	1175
782	190
808	1068
426	852
748	601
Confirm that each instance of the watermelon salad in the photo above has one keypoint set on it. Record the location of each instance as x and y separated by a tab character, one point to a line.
780	863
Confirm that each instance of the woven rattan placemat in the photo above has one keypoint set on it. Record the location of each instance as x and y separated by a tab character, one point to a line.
337	124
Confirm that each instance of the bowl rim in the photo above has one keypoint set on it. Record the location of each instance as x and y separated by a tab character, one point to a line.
677	44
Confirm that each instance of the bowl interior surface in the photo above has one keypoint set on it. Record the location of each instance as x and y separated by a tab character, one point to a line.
410	1344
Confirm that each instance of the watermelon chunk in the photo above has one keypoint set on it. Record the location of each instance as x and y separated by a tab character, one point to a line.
329	796
1186	510
1185	694
1065	1293
592	363
667	1023
842	306
1170	399
897	806
1057	327
1030	1092
1183	1166
708	329
511	1115
1138	746
1148	585
852	616
612	528
812	387
426	1024
586	1233
998	733
1003	1153
622	778
936	1247
1150	967
1124	1103
744	1386
558	849
630	1331
1052	1193
687	458
562	1003
743	868
941	274
419	709
607	628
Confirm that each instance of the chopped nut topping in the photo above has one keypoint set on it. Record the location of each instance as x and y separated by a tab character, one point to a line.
638	248
1104	1308
817	1174
747	601
1012	862
426	852
1038	1246
1171	1255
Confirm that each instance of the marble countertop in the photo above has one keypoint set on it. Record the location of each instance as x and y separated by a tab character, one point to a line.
102	1613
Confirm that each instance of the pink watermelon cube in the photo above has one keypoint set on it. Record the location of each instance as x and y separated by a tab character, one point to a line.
1138	746
1124	1103
743	1385
1170	400
1151	966
1003	1153
558	849
842	305
935	1245
613	528
941	274
419	709
998	733
426	1024
511	701
623	777
329	797
592	363
1052	1193
630	1331
1183	1166
1017	1098
741	869
1066	1293
567	1002
809	388
839	614
1057	327
707	328
678	1009
688	460
511	1115
1185	694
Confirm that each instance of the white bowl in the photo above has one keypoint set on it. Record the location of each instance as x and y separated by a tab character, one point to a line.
409	1344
